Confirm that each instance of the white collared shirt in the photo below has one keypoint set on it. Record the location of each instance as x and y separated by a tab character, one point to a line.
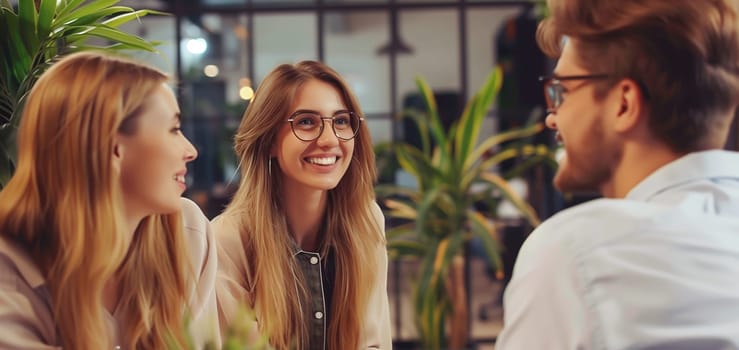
656	270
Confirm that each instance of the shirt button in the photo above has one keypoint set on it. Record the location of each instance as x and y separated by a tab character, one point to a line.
313	261
319	315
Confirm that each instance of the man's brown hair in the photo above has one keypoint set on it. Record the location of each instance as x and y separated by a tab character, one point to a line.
684	54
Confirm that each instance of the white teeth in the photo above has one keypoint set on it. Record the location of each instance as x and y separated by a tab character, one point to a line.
559	154
180	178
323	161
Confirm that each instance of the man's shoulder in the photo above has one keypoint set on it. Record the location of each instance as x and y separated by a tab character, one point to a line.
583	228
611	206
597	222
599	213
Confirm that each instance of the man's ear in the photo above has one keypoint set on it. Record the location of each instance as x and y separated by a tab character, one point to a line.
632	105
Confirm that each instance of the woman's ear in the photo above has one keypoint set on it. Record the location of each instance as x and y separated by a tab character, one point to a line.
118	151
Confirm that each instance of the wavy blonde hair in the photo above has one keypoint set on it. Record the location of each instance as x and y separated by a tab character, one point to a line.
63	205
350	228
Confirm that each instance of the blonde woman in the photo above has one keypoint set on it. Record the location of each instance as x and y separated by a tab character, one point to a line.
93	250
302	242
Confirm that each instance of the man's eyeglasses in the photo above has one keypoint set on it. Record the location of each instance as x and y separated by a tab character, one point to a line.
308	125
554	91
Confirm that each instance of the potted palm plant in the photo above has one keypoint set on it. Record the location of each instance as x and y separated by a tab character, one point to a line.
439	214
39	31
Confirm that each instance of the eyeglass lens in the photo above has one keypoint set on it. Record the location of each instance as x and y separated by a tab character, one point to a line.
553	94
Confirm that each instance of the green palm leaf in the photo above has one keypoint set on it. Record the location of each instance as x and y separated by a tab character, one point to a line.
525	208
441	210
71	14
36	35
127	17
45	16
27	24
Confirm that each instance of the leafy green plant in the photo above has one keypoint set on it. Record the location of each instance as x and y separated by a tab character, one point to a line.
440	214
241	334
39	32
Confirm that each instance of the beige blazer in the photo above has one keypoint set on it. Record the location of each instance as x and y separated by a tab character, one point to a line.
26	319
232	293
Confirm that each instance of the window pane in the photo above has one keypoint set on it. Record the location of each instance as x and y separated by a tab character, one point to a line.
433	37
483	27
511	32
135	4
355	1
216	3
214	78
283	38
281	3
155	28
427	1
380	127
351	43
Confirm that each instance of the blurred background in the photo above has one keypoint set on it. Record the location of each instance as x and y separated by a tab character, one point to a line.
218	51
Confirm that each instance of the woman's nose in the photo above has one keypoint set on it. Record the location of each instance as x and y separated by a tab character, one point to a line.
190	152
327	137
550	120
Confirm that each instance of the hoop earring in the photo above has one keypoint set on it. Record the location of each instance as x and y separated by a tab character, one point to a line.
269	167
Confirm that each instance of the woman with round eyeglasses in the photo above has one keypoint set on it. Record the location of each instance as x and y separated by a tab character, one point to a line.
302	242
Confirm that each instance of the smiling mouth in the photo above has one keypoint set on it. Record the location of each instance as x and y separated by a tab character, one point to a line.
322	160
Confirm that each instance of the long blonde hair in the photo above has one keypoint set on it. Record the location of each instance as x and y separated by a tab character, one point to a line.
351	230
63	205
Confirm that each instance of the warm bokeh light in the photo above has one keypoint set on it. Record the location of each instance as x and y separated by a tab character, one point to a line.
246	93
241	32
211	70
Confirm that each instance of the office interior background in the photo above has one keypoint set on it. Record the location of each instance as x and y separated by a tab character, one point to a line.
220	50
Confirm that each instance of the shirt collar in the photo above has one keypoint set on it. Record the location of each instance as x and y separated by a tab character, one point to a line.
691	167
294	248
27	268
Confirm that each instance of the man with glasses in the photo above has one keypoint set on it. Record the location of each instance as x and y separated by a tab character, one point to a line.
642	100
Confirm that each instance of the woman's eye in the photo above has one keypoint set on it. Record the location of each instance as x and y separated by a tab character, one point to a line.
341	120
308	120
